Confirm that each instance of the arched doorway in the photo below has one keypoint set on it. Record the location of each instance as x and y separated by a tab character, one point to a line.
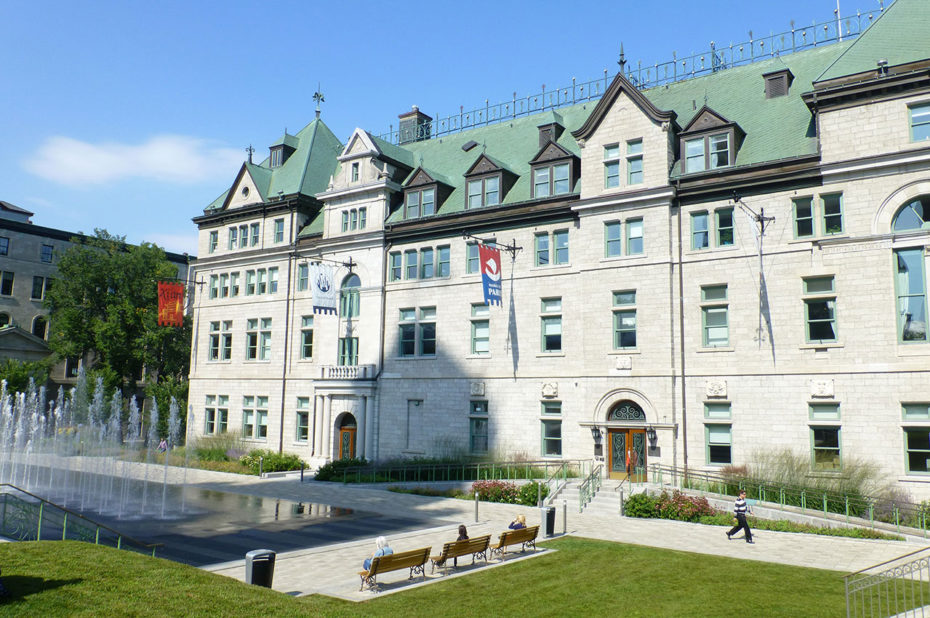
626	446
348	429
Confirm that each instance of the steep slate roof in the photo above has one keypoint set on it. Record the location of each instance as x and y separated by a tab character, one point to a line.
899	35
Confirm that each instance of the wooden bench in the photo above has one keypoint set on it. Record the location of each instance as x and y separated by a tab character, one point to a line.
522	536
477	547
415	560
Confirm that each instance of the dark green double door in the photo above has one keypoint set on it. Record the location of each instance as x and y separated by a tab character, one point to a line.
627	454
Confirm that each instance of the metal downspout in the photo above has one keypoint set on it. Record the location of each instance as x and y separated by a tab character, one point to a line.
681	345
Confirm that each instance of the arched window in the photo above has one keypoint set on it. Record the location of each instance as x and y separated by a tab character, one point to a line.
348	296
4	319
915	215
39	326
626	411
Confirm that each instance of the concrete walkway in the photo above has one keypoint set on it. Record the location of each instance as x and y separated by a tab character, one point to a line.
333	569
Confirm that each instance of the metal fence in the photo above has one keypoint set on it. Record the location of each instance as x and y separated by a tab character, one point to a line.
27	517
898	587
478	471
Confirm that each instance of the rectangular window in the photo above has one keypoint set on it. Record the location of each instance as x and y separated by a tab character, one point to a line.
634	236
261	285
345	220
45	254
348	351
264	340
428	205
541	182
832	213
820	309
825	443
261	417
214	349
560	242
474	194
480	329
256	234
410	263
6	283
248	416
724	227
427	269
234	284
303	420
38	288
224	285
273	280
803	217
478	426
694	155
714	316
700	235
226	340
250	283
412	205
395	268
716	410
4	245
611	166
612	239
279	230
823	411
551	429
542	249
213	242
484	192
915	411
251	339
911	292
233	238
443	267
243	236
428	331
303	277
719	444
209	415
917	447
355	172
353	216
362	218
719	150
222	413
920	122
408	332
277	155
471	258
492	191
624	320
214	286
560	179
306	337
551	324
634	162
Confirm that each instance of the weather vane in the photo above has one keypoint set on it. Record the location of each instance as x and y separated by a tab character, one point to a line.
250	150
318	97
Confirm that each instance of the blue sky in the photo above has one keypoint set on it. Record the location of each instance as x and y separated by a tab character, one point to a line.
133	116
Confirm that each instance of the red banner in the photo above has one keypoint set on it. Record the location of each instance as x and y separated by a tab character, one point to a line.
170	304
490	258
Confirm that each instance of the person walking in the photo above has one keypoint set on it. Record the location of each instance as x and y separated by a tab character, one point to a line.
740	509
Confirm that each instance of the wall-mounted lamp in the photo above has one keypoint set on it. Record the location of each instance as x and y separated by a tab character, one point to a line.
651	436
596	434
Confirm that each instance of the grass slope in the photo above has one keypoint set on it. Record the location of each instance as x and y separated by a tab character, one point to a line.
598	578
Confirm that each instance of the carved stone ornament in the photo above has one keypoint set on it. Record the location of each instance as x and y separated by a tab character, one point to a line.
624	362
550	389
822	388
477	389
715	388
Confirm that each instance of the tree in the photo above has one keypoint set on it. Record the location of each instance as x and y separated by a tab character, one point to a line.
103	306
18	373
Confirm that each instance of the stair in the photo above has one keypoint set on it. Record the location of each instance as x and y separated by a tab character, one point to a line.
606	503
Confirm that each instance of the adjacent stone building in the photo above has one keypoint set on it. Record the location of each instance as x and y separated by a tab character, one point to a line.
696	268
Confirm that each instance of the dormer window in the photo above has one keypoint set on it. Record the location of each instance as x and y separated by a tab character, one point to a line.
420	203
777	83
277	156
484	192
355	172
709	142
708	152
551	180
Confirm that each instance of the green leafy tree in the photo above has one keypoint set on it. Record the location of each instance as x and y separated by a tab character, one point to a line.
17	373
103	306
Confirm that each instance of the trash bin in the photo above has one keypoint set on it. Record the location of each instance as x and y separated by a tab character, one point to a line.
259	567
549	520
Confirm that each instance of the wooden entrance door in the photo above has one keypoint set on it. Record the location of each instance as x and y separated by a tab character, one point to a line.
346	442
627	454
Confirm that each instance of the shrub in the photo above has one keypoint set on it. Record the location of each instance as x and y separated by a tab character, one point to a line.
640	505
332	471
220	447
496	491
680	507
530	492
270	461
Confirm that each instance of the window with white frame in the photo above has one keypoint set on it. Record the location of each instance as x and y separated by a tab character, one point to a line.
216	414
443	266
349	296
255	417
700	230
258	339
255	235
910	283
213	242
484	191
471	258
718	436
478	426
306	337
611	166
634	236
551	324
920	122
250	283
554	251
832	205
724	223
355	174
480	329
551	428
220	348
303	277
916	437
302	421
279	230
410	264
803	210
708	152
624	314
427	266
714	318
634	162
233	238
820	309
243	236
395	267
214	286
419	203
549	180
612	239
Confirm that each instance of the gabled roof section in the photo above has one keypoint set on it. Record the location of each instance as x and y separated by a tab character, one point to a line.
12	208
421	176
621	85
360	144
551	152
899	35
705	119
287	140
14	338
252	178
485	164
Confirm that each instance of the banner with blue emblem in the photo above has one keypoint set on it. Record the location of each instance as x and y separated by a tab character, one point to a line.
490	258
323	285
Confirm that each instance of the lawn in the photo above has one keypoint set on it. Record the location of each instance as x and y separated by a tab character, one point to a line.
585	577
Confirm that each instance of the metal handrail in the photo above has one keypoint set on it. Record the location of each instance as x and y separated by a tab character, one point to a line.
895	587
46	509
432	473
560	476
589	487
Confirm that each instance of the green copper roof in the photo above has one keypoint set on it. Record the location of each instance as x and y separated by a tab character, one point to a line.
286	140
899	35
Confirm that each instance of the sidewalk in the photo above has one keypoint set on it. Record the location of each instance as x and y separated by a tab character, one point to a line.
333	570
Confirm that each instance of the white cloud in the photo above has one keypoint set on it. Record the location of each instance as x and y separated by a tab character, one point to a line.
164	158
177	243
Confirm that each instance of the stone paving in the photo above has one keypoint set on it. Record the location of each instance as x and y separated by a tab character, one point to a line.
333	569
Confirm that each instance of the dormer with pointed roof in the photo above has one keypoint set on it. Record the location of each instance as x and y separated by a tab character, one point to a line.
709	142
487	182
554	170
424	193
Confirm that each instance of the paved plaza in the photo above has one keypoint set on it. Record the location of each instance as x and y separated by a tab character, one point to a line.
332	569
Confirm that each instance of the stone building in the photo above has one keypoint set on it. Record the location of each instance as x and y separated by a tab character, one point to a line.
28	253
696	268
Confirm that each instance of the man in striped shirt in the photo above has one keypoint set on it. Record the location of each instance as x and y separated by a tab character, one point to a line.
740	509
